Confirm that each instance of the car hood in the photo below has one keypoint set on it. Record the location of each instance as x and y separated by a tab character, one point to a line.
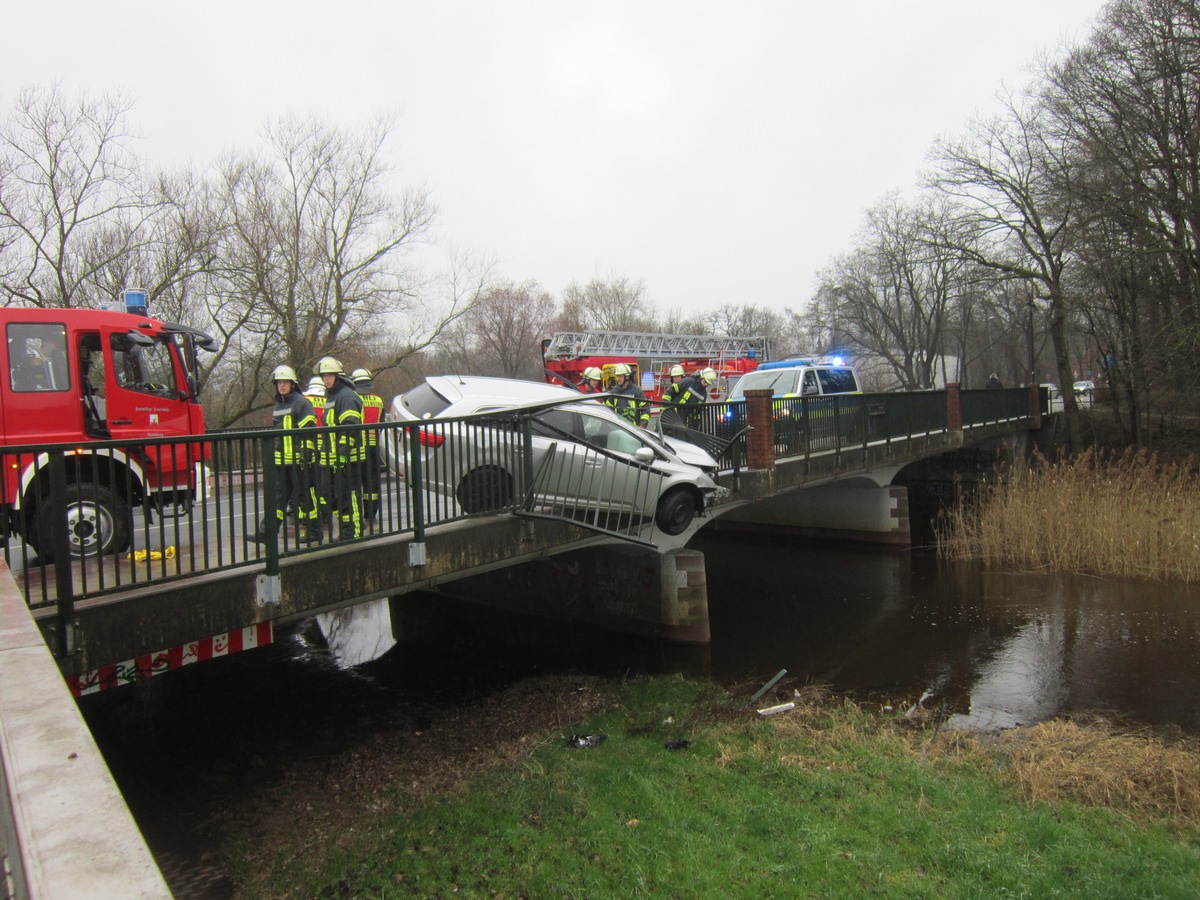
691	454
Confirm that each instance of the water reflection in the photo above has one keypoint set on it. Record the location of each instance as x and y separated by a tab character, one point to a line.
993	649
358	634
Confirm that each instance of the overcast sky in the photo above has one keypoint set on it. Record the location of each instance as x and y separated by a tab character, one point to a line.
723	153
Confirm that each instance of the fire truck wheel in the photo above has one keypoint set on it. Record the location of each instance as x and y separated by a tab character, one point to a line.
676	510
98	522
485	489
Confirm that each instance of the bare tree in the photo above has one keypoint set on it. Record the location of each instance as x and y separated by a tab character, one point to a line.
502	332
72	196
615	304
1012	182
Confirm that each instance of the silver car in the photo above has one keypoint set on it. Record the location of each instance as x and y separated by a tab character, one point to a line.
587	462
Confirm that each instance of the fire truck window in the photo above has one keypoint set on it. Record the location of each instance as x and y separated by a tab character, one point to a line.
148	369
37	357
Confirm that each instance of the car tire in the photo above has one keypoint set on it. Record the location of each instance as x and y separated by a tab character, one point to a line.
98	523
485	490
676	509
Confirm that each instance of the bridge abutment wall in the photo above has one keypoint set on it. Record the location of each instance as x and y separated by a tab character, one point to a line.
631	589
845	511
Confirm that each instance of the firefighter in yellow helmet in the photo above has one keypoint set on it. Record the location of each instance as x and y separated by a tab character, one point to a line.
344	407
315	392
372	415
627	398
294	458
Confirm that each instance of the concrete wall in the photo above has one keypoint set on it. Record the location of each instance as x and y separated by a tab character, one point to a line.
843	510
67	833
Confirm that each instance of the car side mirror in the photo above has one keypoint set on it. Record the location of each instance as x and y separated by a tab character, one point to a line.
644	454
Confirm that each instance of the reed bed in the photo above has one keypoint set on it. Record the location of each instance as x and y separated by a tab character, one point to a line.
1123	515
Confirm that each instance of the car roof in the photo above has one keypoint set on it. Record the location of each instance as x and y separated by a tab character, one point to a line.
505	391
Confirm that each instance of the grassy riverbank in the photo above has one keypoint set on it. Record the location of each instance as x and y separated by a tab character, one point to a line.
1125	515
825	800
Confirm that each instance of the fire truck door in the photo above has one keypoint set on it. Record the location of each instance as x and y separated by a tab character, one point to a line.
142	389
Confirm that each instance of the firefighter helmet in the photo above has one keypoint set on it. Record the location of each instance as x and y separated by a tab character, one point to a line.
622	369
591	373
284	373
676	370
315	390
327	365
316	384
708	376
359	376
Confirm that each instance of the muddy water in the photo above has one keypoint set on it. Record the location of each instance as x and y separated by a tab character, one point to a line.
991	648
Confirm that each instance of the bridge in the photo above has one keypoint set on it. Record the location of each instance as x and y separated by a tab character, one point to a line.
194	584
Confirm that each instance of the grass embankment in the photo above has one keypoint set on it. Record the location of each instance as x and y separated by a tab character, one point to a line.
1128	516
827	800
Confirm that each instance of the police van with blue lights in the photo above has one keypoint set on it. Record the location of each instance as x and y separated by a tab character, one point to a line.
799	377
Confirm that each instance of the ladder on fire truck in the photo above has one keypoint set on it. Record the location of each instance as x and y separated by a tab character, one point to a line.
648	345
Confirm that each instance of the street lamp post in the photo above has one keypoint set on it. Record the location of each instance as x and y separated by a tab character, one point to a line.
1032	360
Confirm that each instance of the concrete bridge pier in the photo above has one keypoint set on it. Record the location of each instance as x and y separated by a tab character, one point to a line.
622	587
849	510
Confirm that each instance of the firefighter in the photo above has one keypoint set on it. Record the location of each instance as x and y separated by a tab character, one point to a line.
593	381
343	406
690	392
295	456
324	466
627	398
372	415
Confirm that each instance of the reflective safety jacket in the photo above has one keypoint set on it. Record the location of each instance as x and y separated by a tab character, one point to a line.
290	412
372	411
324	450
343	406
630	402
686	391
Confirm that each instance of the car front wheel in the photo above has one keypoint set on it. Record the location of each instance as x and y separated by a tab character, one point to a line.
676	510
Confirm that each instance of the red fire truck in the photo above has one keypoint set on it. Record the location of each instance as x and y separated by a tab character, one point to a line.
85	375
651	356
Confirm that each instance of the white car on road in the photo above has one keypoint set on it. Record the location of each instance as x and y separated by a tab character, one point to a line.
588	463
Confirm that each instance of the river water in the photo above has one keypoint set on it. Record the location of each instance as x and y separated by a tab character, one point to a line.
988	649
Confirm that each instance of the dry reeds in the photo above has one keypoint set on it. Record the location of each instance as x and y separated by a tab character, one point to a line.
1057	761
1127	516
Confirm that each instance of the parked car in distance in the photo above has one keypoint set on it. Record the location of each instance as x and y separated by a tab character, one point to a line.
1085	393
619	467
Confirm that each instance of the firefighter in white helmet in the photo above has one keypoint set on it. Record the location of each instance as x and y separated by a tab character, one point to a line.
593	381
294	457
315	392
372	415
627	398
343	407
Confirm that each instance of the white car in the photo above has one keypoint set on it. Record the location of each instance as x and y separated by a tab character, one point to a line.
588	463
1085	392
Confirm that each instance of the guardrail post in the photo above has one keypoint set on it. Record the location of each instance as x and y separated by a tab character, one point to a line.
416	486
61	544
268	582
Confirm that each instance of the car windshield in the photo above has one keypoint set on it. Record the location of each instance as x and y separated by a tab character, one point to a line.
778	381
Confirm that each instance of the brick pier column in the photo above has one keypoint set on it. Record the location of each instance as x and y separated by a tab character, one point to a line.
954	406
760	441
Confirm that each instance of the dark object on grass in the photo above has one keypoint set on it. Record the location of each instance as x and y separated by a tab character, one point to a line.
586	740
680	744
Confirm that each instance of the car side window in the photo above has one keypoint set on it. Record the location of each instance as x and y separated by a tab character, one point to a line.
837	381
809	386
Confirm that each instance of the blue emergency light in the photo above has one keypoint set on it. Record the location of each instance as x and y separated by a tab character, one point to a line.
135	301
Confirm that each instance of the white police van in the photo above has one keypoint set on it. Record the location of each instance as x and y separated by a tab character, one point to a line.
805	377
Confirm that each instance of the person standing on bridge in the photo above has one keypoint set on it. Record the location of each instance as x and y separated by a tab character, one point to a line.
295	456
691	391
372	413
343	406
324	466
627	398
593	381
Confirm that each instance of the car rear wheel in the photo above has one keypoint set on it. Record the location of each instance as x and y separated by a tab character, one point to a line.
676	510
485	490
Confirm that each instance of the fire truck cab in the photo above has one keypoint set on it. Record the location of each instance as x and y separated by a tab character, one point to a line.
78	376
